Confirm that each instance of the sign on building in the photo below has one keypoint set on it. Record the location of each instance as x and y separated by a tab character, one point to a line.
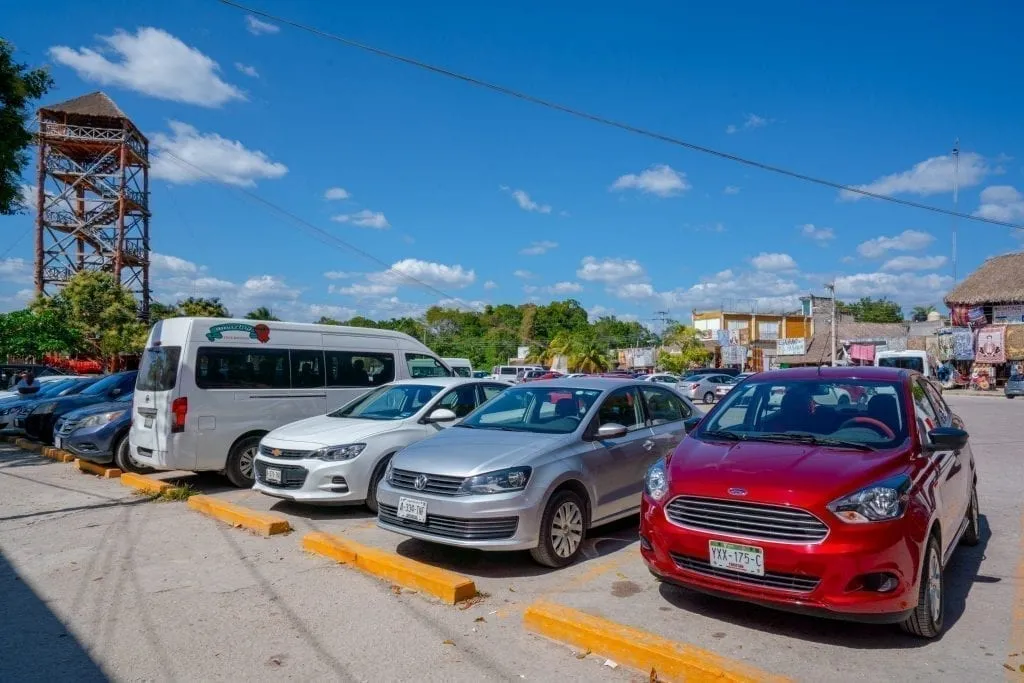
1008	315
791	347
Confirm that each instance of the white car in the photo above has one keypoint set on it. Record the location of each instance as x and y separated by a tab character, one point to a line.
340	457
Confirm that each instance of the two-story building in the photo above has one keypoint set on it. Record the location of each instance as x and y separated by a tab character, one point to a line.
749	340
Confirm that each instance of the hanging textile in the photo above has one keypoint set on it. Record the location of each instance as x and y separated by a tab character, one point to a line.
734	355
916	344
945	347
1015	342
963	344
864	352
983	377
723	337
991	347
931	345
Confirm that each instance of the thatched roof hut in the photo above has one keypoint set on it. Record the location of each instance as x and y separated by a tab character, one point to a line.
1000	280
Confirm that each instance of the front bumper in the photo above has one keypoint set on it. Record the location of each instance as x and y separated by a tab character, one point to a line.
499	521
40	426
95	443
831	574
315	481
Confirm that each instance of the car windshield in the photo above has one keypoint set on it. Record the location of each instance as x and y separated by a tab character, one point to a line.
902	362
104	385
389	402
544	410
856	414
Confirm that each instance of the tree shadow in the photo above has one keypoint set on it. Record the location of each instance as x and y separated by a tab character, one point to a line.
12	456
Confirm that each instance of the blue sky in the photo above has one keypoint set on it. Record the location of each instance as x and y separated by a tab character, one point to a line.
489	199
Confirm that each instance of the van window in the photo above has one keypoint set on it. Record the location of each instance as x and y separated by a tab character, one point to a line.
461	371
158	370
422	365
509	371
226	368
904	362
307	369
359	368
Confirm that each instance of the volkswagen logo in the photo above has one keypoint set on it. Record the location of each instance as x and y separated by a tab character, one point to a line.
737	492
421	482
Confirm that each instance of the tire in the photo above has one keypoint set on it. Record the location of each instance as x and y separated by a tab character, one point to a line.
375	479
239	469
709	397
123	459
972	535
1011	397
564	509
926	619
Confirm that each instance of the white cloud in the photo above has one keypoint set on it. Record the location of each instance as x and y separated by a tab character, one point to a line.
410	272
904	288
154	63
165	264
820	235
538	248
661	180
931	176
211	157
751	122
773	262
523	274
565	288
16	270
364	291
1001	203
914	263
247	69
524	201
490	284
749	290
634	290
340	275
364	219
336	193
269	286
258	27
731	189
610	270
462	305
908	240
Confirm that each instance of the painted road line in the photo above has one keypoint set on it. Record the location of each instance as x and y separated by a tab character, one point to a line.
236	515
141	482
100	470
57	454
445	585
632	647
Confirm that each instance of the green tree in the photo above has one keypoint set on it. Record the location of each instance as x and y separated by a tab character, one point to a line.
615	332
869	310
324	320
261	313
32	334
589	355
682	349
198	307
920	313
99	308
19	86
159	311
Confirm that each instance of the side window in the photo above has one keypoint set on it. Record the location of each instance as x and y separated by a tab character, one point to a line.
621	407
422	365
663	406
942	411
358	368
460	401
307	369
924	406
491	390
227	368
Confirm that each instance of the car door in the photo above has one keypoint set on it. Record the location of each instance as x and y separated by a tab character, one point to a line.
462	400
616	467
666	413
961	475
947	465
488	390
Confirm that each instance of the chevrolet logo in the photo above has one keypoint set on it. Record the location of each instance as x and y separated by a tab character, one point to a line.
276	452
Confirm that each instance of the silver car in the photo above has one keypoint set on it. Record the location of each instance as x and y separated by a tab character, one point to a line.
703	387
535	467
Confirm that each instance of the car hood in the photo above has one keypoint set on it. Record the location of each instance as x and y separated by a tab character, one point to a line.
776	473
332	431
96	408
463	452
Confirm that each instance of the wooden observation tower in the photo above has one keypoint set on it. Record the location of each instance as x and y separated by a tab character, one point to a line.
93	196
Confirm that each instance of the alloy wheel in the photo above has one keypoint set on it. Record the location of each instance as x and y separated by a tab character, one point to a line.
935	587
245	461
567	529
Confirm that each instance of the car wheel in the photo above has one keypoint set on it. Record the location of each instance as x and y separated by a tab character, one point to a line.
709	397
239	468
375	479
1011	397
926	619
562	530
972	535
124	460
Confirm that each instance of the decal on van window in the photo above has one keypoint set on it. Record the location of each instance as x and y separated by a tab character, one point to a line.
260	333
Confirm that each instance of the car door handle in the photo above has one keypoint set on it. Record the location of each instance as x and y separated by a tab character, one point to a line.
648	445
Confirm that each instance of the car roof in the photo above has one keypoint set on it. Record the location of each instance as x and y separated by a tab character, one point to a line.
599	383
865	372
436	381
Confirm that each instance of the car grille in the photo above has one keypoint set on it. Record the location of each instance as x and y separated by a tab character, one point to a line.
486	529
789	582
436	483
284	453
752	520
67	426
292	476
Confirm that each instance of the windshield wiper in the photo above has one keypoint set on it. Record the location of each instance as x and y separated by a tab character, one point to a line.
791	437
465	426
723	434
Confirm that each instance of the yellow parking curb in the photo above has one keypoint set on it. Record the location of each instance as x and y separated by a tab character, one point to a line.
441	583
100	470
27	445
57	454
671	661
141	482
236	515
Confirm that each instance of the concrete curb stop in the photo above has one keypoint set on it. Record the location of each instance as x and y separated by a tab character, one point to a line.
445	585
27	445
99	470
143	483
57	454
236	515
632	647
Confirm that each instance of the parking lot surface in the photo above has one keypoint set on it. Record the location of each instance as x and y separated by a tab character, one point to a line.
107	583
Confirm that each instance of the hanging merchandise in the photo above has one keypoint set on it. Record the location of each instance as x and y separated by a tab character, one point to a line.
948	375
991	347
862	352
734	355
1015	342
946	346
963	344
723	337
931	345
983	377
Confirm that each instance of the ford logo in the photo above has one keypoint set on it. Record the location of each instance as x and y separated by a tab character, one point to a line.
420	483
737	492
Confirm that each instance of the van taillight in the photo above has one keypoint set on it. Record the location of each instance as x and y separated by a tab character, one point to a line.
179	409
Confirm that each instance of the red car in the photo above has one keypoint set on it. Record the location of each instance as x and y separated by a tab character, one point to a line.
842	509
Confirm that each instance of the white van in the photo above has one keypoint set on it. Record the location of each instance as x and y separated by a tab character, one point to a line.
209	388
919	361
510	373
461	367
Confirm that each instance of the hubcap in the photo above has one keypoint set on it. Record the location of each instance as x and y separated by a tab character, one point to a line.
567	529
245	462
935	587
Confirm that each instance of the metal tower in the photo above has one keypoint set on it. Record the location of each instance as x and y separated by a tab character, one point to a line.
93	196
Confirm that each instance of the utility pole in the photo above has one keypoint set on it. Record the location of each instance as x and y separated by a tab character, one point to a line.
831	287
956	187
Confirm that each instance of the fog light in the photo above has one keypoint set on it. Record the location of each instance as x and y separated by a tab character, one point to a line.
881	582
339	485
645	544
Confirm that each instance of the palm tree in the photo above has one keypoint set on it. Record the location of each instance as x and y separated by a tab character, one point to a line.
920	313
588	356
261	313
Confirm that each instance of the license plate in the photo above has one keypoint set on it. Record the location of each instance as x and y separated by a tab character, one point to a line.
147	422
746	559
409	508
273	475
58	442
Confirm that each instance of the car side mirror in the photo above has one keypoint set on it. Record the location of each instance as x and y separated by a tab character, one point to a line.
690	423
441	415
612	430
115	392
948	439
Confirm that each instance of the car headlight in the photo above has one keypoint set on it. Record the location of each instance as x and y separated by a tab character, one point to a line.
45	408
500	481
101	418
656	481
339	453
881	502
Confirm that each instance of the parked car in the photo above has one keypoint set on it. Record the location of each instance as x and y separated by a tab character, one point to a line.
99	433
703	387
461	367
1014	386
722	389
46	379
341	457
732	372
41	419
534	468
16	408
661	377
532	375
9	372
848	511
551	374
481	374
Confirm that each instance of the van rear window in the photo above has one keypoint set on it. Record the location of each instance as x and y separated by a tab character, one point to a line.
158	370
904	363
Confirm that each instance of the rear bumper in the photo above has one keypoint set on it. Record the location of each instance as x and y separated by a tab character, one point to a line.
175	451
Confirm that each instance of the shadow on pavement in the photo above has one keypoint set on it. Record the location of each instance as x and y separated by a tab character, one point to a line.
12	456
36	644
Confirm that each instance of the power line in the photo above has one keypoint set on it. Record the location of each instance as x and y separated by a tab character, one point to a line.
596	118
